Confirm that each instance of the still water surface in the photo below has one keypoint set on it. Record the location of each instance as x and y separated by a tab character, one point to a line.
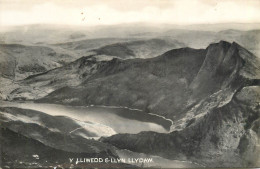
121	120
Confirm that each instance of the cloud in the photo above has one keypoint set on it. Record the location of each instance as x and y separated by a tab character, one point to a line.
86	12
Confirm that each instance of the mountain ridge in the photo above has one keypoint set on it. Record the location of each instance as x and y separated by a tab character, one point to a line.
163	67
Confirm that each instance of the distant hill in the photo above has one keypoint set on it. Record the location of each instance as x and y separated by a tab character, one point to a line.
139	49
108	48
19	61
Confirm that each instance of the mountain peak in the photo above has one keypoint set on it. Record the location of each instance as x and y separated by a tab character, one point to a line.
224	42
223	62
221	44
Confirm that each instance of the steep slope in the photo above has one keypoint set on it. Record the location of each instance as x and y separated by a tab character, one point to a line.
32	138
181	70
127	82
46	128
7	65
222	129
71	74
249	39
219	70
36	135
19	61
18	151
226	136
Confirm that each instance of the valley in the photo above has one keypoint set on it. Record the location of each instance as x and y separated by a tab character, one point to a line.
183	97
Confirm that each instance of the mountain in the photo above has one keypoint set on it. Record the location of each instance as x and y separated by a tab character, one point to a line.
222	129
79	48
225	136
127	81
139	49
194	36
19	61
197	38
52	130
124	48
89	44
207	89
168	84
19	151
34	139
40	34
211	95
249	39
36	135
164	85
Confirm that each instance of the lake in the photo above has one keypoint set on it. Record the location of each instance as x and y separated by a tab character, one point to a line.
120	119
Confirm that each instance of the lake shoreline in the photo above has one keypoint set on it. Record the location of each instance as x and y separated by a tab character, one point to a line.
149	122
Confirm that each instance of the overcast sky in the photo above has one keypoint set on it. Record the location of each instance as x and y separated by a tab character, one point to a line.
96	12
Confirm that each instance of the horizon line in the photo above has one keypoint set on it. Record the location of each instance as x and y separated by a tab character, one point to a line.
128	23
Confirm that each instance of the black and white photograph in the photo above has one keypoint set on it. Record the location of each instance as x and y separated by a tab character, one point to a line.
129	84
